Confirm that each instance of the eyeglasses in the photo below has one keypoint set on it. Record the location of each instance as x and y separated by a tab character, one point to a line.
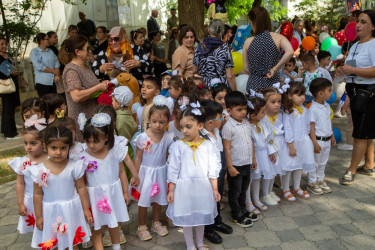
113	39
220	119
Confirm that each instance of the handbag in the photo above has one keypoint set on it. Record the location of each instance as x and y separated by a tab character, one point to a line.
7	86
360	100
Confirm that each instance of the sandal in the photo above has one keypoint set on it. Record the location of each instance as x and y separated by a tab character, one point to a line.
251	209
158	228
87	244
260	206
305	195
203	247
288	196
143	233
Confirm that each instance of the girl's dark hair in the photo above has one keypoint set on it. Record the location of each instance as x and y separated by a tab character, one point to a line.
90	131
267	92
258	104
189	112
261	18
371	14
134	35
103	28
67	51
59	133
34	104
64	122
179	82
53	102
51	33
211	108
109	110
296	88
178	103
32	130
39	37
217	88
183	32
164	109
198	92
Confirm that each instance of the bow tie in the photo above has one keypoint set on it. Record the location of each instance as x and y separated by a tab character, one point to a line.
299	110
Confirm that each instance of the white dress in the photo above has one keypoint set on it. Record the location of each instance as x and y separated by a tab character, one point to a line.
297	129
104	187
194	203
177	135
76	150
25	223
263	149
61	206
153	170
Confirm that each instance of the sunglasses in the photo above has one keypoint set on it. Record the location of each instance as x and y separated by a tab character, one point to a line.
114	39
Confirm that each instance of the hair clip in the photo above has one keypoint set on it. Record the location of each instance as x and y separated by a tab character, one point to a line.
60	113
160	100
183	107
215	85
101	120
250	105
255	94
196	107
200	86
39	124
81	121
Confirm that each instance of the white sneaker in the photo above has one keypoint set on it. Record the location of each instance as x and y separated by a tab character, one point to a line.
346	147
323	185
339	115
268	200
275	197
315	188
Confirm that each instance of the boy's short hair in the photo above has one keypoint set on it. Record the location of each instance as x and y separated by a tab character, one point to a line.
234	99
211	108
155	81
292	60
308	58
319	84
323	54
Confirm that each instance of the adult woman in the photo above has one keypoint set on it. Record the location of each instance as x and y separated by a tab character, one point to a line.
72	31
53	41
101	42
298	30
182	58
158	53
311	28
117	58
213	59
146	67
9	101
261	53
227	33
46	66
360	86
79	81
173	43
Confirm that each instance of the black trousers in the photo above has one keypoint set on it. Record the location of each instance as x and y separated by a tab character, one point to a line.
8	122
45	89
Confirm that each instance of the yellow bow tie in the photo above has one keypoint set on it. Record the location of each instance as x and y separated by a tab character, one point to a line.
272	118
299	110
193	146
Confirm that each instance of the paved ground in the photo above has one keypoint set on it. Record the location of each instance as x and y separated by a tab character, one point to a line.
344	219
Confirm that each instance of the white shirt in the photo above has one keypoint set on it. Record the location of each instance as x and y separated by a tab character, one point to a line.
309	77
296	125
320	114
239	135
325	73
177	134
214	139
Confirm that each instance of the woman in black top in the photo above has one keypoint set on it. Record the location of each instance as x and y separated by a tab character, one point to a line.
101	42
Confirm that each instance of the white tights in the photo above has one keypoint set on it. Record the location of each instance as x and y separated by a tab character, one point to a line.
267	186
296	180
188	235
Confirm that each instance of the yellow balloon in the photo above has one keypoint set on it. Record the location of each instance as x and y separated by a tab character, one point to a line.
237	61
332	114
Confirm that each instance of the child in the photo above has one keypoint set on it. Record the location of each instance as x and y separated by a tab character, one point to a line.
324	58
301	150
310	73
33	106
288	72
193	169
214	117
165	78
32	137
180	86
239	155
150	88
264	153
150	161
320	133
200	92
174	126
61	214
106	178
56	106
219	91
198	80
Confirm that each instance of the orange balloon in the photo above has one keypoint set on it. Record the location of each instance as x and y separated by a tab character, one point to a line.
308	43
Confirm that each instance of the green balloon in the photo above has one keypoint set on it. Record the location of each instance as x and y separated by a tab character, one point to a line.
328	43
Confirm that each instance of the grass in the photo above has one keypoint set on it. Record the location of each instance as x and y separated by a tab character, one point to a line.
6	173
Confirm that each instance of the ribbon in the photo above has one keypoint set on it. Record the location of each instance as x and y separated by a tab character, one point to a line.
194	147
39	124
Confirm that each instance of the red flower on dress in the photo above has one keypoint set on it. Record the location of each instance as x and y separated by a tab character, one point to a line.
135	194
30	220
148	146
48	244
79	235
26	163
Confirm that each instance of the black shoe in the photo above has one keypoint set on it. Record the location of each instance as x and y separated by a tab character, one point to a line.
348	178
252	216
224	228
362	170
243	222
213	237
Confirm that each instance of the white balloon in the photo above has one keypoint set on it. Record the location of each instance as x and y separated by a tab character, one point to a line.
323	36
240	51
241	82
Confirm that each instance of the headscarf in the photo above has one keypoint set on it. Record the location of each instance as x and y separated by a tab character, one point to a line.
125	52
209	44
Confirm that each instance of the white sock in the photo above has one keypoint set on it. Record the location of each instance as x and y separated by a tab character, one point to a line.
297	179
199	233
271	185
255	186
188	235
266	187
286	181
116	246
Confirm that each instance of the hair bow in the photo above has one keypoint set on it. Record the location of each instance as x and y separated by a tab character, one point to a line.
183	107
196	107
39	124
250	105
81	121
255	94
101	120
200	86
160	100
60	113
282	89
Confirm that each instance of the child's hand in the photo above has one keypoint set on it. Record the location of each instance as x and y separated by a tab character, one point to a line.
273	158
217	196
233	171
134	181
292	151
333	140
317	148
254	165
39	223
22	210
170	197
126	198
88	216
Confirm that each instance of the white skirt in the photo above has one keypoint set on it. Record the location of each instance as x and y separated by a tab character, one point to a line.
113	196
152	177
303	160
23	227
264	168
194	203
280	143
71	214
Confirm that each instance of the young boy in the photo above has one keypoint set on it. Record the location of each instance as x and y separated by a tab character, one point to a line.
324	58
150	88
211	132
320	133
165	77
240	157
310	73
288	72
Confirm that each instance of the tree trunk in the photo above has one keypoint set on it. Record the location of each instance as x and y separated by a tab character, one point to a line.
191	12
6	31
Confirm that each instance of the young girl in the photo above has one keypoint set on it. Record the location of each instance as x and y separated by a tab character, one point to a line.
60	198
200	92
56	107
300	148
106	178
33	106
174	126
219	91
180	86
151	159
193	169
264	153
32	138
150	88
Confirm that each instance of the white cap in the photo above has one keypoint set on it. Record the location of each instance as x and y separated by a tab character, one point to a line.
123	95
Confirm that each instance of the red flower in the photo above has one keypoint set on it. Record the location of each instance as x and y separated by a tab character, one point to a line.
48	244
135	194
105	99
79	235
30	220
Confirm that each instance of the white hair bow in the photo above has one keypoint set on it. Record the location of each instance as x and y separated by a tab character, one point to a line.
255	94
100	120
282	89
183	107
39	124
196	107
81	121
160	100
250	105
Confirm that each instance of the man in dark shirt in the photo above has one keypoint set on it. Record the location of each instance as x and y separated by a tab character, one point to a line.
86	27
152	24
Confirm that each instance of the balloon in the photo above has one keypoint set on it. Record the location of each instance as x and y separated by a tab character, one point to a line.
350	32
240	51
323	36
241	82
238	63
332	114
337	134
332	99
328	43
294	43
308	43
335	50
340	37
286	30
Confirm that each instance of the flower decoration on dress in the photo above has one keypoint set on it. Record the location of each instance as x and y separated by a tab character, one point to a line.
81	121
60	113
255	94
104	206
78	236
196	107
27	162
147	146
42	177
160	100
135	194
48	244
91	165
155	190
282	89
101	120
60	228
30	220
250	105
39	124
